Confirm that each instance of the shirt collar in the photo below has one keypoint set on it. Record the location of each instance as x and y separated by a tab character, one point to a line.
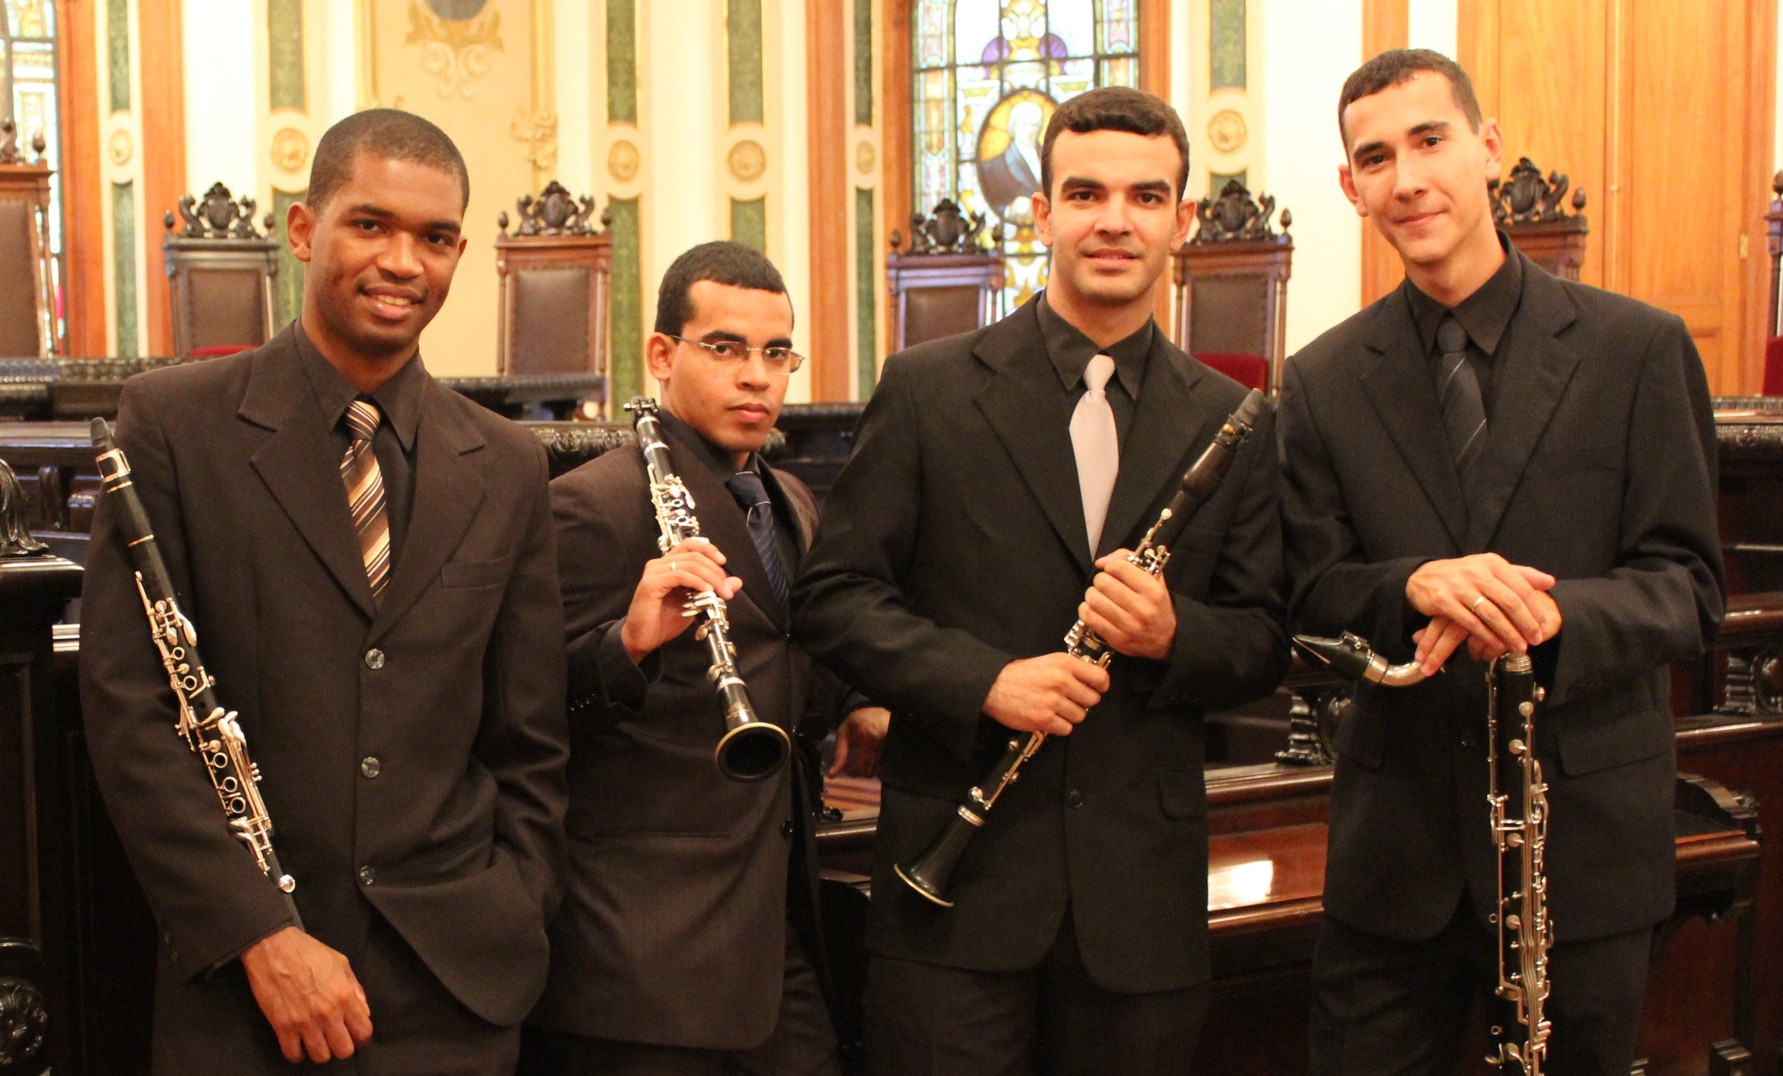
398	398
1485	314
1071	351
710	455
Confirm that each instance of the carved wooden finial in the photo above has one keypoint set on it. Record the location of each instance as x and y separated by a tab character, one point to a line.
1527	198
948	230
15	535
1234	214
554	212
217	216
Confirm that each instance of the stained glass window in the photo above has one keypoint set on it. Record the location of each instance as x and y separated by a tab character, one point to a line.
985	78
28	97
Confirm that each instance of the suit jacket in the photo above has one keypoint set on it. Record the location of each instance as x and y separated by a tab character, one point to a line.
953	543
1597	468
673	928
411	752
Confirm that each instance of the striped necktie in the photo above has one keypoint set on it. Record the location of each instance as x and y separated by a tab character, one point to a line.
365	494
1458	387
751	495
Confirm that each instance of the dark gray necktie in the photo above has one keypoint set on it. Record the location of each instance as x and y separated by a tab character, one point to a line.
1458	387
752	497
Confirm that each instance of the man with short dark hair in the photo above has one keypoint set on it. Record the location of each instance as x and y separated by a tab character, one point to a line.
998	482
687	940
369	561
1494	457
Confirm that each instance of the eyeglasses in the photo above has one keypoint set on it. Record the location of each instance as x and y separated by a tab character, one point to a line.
736	353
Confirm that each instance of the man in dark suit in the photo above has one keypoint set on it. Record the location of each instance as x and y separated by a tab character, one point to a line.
686	942
1495	457
961	541
400	682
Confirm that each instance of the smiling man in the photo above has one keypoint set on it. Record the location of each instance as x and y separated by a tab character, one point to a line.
1493	457
687	940
369	561
998	481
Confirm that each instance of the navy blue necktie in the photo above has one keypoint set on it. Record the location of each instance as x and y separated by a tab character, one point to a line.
752	497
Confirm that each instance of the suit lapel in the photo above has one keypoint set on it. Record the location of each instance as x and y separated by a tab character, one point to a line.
1023	404
448	494
1155	453
1533	368
1399	388
300	465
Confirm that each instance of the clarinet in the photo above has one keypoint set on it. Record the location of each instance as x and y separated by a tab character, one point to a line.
1518	802
751	749
931	872
213	733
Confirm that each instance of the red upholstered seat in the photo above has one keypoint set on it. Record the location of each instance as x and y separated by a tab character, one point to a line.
1251	371
1773	366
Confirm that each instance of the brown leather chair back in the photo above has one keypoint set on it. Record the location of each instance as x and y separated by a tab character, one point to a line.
220	270
946	283
555	271
1232	280
27	272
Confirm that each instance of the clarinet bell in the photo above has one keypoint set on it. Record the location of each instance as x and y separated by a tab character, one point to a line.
933	870
752	751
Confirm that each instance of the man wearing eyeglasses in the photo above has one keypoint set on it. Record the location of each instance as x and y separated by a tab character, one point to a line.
686	941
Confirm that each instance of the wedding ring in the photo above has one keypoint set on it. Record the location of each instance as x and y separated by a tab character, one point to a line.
671	566
1474	606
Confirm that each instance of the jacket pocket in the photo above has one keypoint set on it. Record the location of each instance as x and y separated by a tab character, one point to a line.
476	573
1633	736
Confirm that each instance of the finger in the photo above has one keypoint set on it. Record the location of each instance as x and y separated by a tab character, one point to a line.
1053	725
291	1045
839	764
1535	577
339	1040
315	1043
1452	636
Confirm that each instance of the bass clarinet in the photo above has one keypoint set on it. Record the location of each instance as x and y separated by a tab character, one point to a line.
930	874
213	733
1518	802
751	749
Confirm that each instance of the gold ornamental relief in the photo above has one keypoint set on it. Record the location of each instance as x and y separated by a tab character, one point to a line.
457	45
1227	131
865	158
624	160
538	132
747	161
120	147
290	150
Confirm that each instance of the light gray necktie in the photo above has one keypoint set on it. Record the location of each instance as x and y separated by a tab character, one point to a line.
1097	445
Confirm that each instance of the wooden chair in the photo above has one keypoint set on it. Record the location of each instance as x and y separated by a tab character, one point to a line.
220	271
555	271
1232	283
27	266
1528	209
947	282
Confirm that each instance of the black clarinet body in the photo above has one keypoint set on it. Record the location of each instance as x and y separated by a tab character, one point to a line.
212	731
1518	804
931	872
750	749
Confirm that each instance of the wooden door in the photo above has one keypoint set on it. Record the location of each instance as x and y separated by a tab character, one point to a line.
1661	110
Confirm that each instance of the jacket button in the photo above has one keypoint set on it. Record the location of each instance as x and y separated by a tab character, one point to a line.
374	658
786	829
367	876
370	766
1074	799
